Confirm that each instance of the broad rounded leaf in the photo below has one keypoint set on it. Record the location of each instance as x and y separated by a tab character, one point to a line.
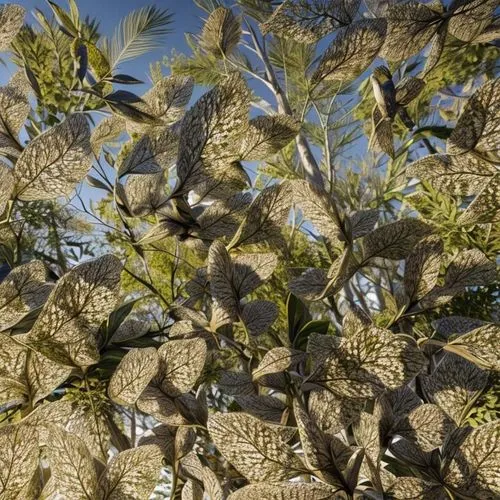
132	375
352	51
132	474
486	206
258	316
290	491
255	449
221	32
277	360
107	130
55	161
11	21
470	18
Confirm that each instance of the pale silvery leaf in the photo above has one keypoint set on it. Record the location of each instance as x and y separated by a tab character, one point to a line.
438	43
71	465
181	364
382	135
479	124
156	403
474	469
315	445
290	491
223	217
6	185
64	331
352	51
266	216
132	375
250	270
427	425
145	193
22	290
354	321
152	153
18	458
367	434
167	99
13	355
164	437
394	240
364	365
277	360
266	135
362	222
422	267
209	130
448	174
307	23
220	273
132	474
14	109
44	375
191	491
454	386
221	33
469	268
267	408
479	346
11	21
130	329
333	413
211	484
319	207
486	206
410	28
109	129
55	161
470	18
255	449
490	34
341	271
258	316
413	488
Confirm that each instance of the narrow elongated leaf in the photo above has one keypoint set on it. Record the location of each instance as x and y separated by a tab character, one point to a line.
22	290
422	267
382	135
266	135
266	216
277	360
181	364
55	161
11	21
410	27
395	240
364	365
221	32
71	466
255	449
132	375
81	300
132	473
290	491
454	385
18	458
479	346
352	51
473	471
448	174
6	185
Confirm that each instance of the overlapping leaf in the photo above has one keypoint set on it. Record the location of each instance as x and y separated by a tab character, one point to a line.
485	208
221	32
277	360
290	491
107	130
55	161
255	449
258	316
132	375
11	21
352	51
81	300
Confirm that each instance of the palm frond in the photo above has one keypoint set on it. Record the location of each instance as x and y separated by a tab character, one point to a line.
139	32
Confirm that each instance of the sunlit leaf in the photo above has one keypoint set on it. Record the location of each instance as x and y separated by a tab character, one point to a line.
132	375
278	359
470	18
145	193
413	488
11	21
55	161
221	32
255	449
290	491
108	130
486	206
